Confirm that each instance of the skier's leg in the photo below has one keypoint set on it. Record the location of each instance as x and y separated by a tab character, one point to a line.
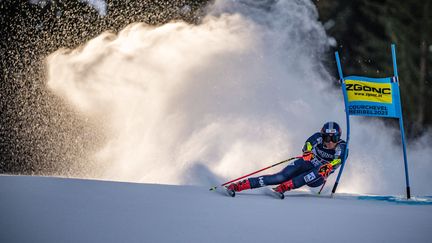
285	186
292	170
239	186
287	173
312	178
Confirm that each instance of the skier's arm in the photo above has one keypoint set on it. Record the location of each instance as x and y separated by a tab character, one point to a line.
307	151
339	155
336	162
308	146
310	142
326	169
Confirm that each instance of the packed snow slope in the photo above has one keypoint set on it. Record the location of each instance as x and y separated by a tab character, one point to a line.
46	209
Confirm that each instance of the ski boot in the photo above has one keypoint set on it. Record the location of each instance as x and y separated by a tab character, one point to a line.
238	186
283	187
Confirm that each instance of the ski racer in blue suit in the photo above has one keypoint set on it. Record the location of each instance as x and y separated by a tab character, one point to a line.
322	155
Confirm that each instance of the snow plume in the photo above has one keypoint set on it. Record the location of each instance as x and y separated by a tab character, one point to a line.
201	104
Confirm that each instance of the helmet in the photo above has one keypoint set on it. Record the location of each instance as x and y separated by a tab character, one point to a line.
331	131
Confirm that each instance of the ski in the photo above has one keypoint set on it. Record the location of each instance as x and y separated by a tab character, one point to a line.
230	192
273	193
223	190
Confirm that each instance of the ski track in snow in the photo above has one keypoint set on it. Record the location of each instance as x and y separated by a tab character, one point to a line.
47	209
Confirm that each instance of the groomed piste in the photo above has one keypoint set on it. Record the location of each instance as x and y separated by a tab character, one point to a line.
48	209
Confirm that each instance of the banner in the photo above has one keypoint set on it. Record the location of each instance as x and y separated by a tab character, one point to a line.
372	96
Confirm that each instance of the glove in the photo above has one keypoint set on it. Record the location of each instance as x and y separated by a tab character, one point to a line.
308	156
307	152
325	170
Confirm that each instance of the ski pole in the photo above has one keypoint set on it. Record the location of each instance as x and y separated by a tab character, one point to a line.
325	180
268	167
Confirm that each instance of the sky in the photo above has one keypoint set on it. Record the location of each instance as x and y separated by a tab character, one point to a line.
199	104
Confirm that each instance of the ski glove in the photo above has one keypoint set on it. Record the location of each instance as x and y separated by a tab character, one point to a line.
325	170
307	152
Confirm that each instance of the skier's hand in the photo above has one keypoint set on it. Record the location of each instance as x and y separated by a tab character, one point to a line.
307	152
308	156
325	170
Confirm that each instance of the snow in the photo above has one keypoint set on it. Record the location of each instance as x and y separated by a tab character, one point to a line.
48	209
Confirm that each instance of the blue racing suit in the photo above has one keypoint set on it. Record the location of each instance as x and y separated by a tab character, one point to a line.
303	172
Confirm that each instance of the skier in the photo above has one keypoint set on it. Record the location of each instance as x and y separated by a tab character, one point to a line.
322	154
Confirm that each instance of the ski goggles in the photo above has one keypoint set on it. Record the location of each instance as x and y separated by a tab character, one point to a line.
330	137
